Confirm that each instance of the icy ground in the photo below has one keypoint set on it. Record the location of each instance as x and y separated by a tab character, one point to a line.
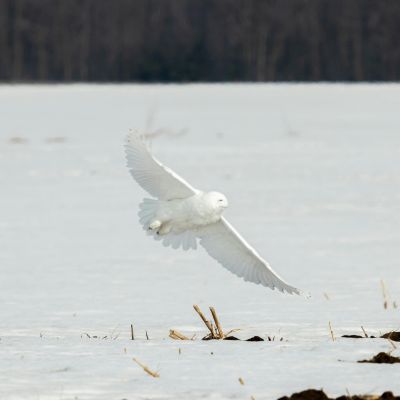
312	173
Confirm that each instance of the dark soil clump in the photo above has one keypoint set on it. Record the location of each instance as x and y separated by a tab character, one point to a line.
395	336
252	339
312	394
382	358
255	339
358	337
353	336
231	338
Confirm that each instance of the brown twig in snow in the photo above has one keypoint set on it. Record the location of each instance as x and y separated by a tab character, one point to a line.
146	369
217	324
214	329
231	331
385	296
206	322
132	334
392	343
177	335
331	330
365	333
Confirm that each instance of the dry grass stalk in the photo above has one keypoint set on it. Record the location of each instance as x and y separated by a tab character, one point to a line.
365	333
204	319
132	334
214	334
177	335
241	381
392	343
147	336
331	331
231	331
215	328
385	296
217	324
146	369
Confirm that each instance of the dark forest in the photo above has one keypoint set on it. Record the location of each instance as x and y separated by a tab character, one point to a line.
199	40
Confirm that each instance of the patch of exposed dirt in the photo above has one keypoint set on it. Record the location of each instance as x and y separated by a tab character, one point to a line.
313	394
215	330
231	338
310	394
395	336
356	337
255	339
382	358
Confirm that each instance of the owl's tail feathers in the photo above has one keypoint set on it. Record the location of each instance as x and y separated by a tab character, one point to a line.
147	214
162	231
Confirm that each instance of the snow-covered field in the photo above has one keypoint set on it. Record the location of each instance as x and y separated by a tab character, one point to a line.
312	173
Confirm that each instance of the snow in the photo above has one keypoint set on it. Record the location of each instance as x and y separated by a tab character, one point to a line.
316	165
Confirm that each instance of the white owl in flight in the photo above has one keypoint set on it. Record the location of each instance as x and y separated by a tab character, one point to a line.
182	216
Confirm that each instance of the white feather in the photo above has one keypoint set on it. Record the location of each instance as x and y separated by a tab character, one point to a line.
225	244
151	175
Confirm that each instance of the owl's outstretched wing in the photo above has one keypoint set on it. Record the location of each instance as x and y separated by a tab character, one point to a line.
224	243
157	179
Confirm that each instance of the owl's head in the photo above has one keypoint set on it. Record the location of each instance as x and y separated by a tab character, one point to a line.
218	200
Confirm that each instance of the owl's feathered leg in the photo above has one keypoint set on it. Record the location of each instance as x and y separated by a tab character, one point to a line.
164	229
154	225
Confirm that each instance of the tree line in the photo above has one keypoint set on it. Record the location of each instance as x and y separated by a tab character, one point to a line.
199	40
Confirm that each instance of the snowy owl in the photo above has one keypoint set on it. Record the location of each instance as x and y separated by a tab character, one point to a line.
182	216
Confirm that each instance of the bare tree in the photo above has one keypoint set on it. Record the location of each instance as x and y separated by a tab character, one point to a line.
199	40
